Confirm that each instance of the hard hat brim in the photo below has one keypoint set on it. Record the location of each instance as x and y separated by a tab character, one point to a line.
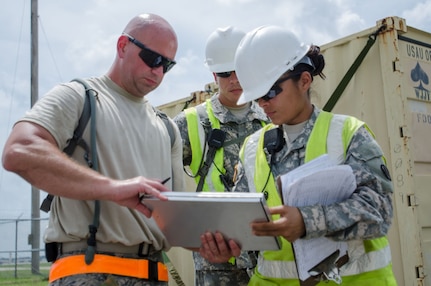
225	67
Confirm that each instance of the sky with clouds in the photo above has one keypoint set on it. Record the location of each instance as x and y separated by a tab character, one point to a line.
77	39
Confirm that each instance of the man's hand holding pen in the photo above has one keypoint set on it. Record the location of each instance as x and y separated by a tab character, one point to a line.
129	193
145	195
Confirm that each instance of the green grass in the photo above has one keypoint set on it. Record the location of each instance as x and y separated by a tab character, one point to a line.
24	276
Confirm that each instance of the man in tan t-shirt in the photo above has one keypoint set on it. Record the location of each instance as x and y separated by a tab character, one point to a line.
134	155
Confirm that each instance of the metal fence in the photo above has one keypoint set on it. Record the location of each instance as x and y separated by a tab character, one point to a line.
16	250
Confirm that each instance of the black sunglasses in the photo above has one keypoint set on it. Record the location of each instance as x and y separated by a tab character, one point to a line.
224	74
276	89
150	57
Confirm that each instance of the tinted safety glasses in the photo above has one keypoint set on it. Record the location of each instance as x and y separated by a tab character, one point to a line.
276	89
224	74
150	57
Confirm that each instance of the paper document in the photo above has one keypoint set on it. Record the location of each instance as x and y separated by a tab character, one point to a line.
319	181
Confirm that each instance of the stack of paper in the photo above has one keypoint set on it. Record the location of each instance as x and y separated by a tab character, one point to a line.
319	181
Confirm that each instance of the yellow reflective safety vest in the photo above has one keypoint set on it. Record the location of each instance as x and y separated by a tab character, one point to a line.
197	143
370	260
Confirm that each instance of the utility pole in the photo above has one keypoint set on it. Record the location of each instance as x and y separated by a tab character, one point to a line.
34	238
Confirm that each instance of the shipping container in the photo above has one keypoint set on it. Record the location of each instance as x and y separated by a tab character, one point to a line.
390	91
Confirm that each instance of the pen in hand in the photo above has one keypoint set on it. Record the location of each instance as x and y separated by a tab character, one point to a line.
147	196
165	180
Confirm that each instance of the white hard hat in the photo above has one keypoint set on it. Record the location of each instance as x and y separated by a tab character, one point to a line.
220	49
263	55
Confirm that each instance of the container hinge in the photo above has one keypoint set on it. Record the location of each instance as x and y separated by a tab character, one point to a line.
396	66
412	201
420	272
404	132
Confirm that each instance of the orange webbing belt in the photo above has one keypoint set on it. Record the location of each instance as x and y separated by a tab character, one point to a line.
138	268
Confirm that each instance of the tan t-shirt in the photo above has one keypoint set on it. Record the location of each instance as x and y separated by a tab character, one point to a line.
131	141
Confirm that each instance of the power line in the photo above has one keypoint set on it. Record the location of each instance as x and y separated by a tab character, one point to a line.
49	48
14	81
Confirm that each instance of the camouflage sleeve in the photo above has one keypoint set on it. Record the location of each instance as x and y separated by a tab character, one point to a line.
181	122
240	179
368	212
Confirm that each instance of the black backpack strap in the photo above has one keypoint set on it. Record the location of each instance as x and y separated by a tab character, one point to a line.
168	125
82	123
76	140
46	203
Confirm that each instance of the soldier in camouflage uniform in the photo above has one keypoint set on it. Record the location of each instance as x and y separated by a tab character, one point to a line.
237	121
302	132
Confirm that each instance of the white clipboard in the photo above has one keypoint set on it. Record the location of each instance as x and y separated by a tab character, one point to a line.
185	216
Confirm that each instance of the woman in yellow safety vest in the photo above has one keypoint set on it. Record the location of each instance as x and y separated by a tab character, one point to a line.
211	156
279	79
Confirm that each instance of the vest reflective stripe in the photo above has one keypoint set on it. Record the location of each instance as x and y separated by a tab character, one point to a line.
260	183
366	261
194	137
366	256
247	155
338	130
196	134
277	268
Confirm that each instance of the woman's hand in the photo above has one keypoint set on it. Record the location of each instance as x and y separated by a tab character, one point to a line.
290	225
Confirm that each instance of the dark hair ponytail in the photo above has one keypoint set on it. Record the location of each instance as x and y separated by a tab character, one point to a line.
318	61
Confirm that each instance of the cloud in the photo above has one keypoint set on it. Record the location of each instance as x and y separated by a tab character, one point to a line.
349	22
420	14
